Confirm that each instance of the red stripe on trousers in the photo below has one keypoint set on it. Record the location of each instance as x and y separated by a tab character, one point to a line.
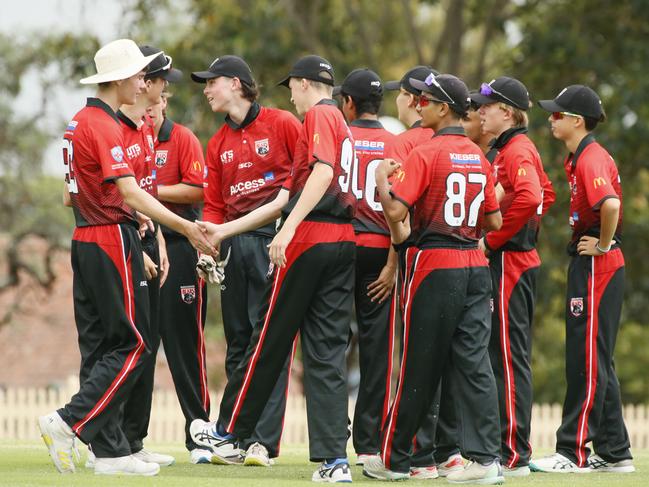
202	369
392	324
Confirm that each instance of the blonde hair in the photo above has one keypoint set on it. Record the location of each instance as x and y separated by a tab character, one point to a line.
519	116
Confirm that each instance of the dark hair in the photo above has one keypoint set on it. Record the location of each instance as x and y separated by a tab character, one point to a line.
249	91
365	105
590	123
104	84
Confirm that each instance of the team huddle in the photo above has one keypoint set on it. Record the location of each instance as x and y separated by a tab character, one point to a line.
429	235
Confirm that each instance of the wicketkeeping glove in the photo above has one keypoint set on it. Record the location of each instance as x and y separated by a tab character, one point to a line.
210	270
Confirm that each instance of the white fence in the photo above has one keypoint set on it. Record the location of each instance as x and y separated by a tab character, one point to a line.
19	408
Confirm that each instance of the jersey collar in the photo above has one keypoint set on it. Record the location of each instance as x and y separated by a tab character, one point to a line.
416	124
250	117
506	136
585	142
453	130
327	101
126	121
368	124
97	103
165	130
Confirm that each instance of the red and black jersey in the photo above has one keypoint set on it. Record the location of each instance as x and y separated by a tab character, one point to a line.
371	141
528	192
248	164
325	138
449	182
139	151
406	141
593	178
179	159
93	156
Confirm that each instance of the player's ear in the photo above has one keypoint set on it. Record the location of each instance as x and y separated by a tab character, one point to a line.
412	101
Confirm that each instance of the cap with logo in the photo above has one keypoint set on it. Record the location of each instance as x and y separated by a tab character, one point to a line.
361	83
160	67
418	72
507	90
311	67
577	99
230	66
446	88
118	60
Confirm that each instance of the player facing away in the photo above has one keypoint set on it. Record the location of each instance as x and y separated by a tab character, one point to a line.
312	291
513	260
435	447
592	409
446	314
249	161
376	260
109	286
180	169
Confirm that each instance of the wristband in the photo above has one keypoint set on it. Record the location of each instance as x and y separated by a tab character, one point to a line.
600	249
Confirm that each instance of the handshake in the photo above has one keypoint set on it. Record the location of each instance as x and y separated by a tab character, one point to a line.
210	270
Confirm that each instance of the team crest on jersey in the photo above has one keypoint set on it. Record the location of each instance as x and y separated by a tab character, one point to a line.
118	153
188	294
161	157
576	306
261	147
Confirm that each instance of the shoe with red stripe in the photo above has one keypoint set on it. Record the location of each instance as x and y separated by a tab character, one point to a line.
598	464
557	463
59	439
420	473
454	463
225	449
375	469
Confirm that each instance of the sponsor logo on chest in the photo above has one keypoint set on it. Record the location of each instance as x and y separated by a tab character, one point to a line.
227	156
247	187
133	151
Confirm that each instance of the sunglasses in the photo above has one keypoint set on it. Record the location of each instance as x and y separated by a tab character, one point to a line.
425	101
431	80
487	90
166	67
560	115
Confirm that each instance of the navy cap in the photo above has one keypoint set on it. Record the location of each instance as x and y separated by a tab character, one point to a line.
577	99
311	67
361	83
229	66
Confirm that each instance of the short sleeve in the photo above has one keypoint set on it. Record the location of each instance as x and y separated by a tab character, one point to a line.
190	159
320	128
109	144
411	180
596	179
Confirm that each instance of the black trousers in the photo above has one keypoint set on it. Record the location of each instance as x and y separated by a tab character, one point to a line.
312	294
248	279
375	339
183	304
592	410
446	324
513	277
111	309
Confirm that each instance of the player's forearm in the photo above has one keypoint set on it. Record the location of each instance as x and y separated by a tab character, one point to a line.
180	193
393	210
609	215
393	258
313	191
259	217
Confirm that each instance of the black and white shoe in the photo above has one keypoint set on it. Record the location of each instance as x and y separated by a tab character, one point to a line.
337	471
225	449
598	464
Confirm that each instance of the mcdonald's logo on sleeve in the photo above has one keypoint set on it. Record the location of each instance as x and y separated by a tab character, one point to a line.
316	138
197	166
599	181
522	171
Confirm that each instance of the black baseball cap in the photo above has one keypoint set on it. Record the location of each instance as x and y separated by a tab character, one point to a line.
418	72
228	65
577	99
311	67
447	88
507	90
160	67
361	83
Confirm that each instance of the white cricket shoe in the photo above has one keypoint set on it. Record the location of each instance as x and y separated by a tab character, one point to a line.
454	463
363	457
153	457
127	465
476	473
90	459
338	471
556	463
522	471
257	455
375	469
200	456
421	473
225	450
598	464
59	439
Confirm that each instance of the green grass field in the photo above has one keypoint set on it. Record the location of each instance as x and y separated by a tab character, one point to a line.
27	464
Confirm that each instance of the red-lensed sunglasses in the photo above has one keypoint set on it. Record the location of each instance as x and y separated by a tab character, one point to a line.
560	115
425	101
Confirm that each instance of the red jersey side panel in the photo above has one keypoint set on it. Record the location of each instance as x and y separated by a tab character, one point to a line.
406	141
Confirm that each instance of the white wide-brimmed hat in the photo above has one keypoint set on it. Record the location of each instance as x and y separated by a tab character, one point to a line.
117	60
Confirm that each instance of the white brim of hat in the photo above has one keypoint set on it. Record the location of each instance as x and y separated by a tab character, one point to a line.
123	73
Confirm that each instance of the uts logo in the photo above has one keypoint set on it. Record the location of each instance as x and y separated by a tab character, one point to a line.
246	187
261	147
227	156
576	306
188	294
161	158
118	153
133	151
599	181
